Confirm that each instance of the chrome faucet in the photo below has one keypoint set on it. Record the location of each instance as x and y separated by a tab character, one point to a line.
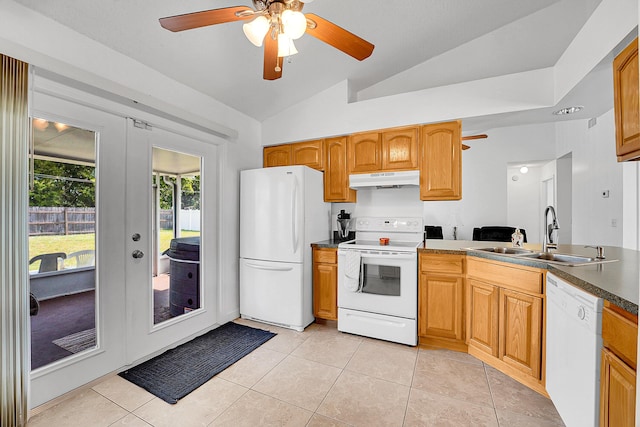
550	235
599	251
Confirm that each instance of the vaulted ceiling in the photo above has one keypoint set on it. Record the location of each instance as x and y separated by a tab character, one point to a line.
418	44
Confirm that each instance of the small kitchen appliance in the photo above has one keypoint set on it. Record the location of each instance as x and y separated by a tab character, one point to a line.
344	226
378	281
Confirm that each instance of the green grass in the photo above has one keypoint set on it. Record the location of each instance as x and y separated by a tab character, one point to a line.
167	235
76	242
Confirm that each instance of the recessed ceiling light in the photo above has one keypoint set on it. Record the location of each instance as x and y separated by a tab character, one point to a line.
524	169
568	110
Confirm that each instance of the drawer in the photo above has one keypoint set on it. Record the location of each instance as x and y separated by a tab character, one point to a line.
510	276
436	263
325	255
620	335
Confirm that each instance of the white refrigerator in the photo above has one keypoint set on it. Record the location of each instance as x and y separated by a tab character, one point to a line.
282	211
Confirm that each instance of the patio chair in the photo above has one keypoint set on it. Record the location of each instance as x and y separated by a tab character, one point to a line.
48	262
84	258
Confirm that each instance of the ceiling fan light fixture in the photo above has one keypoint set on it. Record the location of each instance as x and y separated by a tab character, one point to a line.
294	23
285	46
256	30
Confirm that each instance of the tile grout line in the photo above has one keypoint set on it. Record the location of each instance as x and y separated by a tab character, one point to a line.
413	375
334	383
493	402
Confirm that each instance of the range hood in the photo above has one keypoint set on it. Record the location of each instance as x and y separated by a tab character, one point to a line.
385	179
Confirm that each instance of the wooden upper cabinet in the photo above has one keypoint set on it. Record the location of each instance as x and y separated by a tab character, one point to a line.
364	152
308	153
336	175
400	149
627	103
277	155
441	161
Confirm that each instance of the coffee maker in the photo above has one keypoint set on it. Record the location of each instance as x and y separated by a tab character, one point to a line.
344	232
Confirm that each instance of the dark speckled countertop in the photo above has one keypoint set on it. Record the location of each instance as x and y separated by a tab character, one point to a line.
616	281
326	244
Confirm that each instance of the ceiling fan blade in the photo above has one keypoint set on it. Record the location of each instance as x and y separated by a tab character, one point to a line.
465	147
272	62
338	37
204	18
481	136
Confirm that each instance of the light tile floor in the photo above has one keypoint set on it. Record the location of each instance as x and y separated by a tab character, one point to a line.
322	377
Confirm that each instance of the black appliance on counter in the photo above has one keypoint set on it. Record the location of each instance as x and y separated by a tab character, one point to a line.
345	223
184	271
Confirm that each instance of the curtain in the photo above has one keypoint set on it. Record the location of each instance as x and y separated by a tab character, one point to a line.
14	281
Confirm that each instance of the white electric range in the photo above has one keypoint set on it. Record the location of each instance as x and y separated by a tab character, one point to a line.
378	282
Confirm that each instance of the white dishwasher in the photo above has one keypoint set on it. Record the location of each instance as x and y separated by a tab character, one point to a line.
574	344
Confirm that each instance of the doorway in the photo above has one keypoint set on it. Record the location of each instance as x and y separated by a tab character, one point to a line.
125	330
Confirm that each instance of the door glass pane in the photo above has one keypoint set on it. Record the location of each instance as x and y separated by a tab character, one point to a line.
381	279
176	230
62	242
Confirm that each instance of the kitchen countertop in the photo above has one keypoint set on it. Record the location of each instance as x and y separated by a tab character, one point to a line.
616	281
331	243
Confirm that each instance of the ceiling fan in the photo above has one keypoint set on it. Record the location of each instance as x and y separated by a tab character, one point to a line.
467	138
276	23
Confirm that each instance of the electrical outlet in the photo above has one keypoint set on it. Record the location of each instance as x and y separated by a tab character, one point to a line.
605	194
614	222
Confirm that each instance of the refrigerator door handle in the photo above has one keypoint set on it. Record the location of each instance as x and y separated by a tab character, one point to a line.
266	267
294	214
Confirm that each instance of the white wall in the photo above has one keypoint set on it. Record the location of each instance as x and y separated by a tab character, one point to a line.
524	210
236	157
596	219
564	197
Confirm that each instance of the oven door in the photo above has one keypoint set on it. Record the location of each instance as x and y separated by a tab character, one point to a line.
388	284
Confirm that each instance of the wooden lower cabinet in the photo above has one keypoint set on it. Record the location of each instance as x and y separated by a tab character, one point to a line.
505	318
617	392
618	367
325	283
521	331
441	301
482	316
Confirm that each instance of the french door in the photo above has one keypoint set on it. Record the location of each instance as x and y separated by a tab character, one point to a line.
76	135
170	250
128	203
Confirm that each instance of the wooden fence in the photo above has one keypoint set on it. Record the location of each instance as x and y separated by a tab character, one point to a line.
53	221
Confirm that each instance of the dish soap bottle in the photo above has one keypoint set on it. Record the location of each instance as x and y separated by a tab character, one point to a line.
517	238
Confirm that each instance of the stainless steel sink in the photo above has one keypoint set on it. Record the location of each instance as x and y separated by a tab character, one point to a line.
566	259
503	250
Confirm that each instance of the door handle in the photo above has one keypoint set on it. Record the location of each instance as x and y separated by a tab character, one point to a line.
137	254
